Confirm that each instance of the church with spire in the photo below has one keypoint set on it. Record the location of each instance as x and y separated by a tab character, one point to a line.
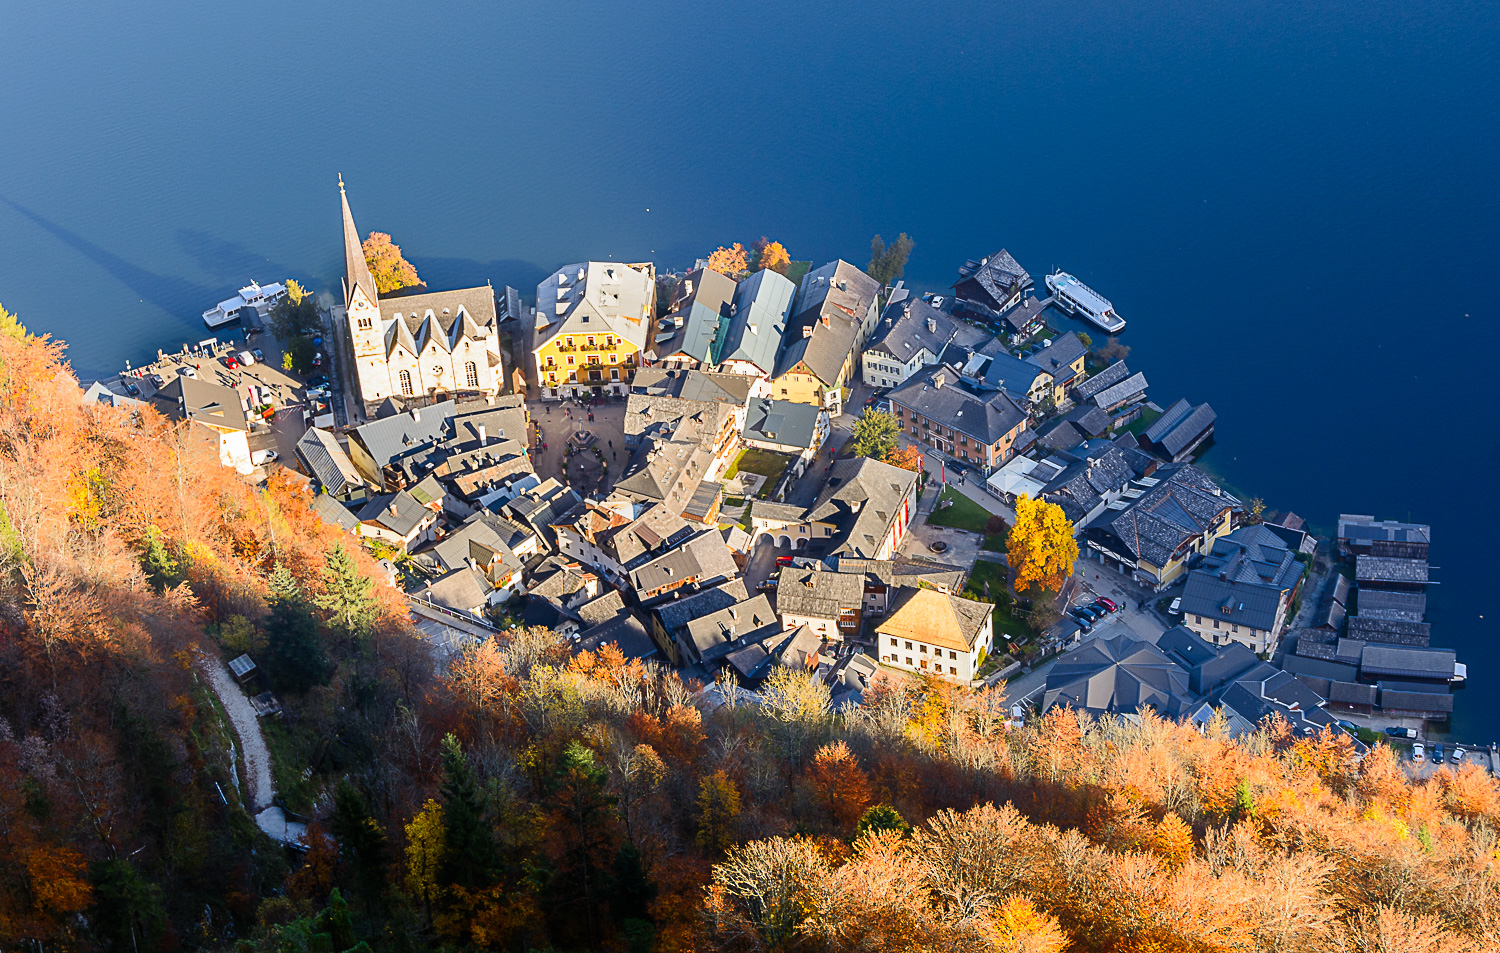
422	347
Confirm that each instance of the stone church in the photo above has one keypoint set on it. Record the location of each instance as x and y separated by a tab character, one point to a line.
432	345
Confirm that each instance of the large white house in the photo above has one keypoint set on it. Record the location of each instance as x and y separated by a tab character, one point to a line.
936	633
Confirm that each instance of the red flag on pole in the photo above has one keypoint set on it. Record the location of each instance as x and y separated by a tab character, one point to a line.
944	465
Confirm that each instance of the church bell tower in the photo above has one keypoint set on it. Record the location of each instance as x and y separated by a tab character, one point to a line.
362	311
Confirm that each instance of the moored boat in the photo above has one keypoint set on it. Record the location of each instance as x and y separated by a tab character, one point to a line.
1078	299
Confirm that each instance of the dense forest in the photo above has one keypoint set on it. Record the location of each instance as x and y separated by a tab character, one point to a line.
524	798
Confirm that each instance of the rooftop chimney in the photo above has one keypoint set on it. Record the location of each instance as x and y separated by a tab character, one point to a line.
932	325
416	415
939	379
483	437
825	321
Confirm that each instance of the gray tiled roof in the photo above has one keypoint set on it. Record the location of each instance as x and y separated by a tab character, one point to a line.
1179	427
201	401
904	331
762	306
1109	377
1234	602
704	559
1401	605
818	594
602	609
1000	275
1398	700
1121	674
861	498
394	436
1131	388
1081	487
1179	508
1057	358
1406	661
1357	528
986	417
1396	631
842	295
676	614
786	512
333	512
700	311
624	631
407	516
445	310
1378	569
781	421
1026	313
320	452
1011	373
729	623
462	590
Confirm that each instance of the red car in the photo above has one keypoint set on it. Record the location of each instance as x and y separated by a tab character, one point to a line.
1109	604
230	362
783	560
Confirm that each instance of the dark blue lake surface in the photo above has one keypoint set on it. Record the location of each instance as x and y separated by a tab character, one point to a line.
1294	205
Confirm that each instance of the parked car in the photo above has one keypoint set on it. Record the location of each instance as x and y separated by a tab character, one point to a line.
246	358
187	372
1395	732
766	585
1437	753
1418	753
1109	604
132	390
1103	605
1350	727
784	560
319	381
1082	618
1176	607
1459	754
230	362
1095	613
259	354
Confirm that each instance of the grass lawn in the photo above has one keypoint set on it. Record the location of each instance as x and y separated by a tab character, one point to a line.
1147	418
994	542
1007	617
963	514
291	750
796	270
764	462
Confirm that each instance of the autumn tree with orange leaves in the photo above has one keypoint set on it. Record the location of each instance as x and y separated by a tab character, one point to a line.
729	261
1041	546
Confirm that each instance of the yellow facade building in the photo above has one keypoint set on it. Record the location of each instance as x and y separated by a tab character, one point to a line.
593	321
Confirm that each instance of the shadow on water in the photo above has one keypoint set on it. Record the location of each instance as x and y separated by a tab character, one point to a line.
441	274
229	261
176	296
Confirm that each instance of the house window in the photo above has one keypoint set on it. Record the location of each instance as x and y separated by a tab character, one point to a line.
570	359
908	646
405	378
591	340
893	643
551	361
568	342
614	358
953	670
1198	619
922	649
1216	623
609	340
471	373
908	660
1234	628
551	378
783	392
953	655
614	373
924	663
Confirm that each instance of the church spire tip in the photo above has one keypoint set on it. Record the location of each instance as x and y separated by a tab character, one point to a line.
341	181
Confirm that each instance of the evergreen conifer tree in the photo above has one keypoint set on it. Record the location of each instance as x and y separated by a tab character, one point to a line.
161	568
469	854
361	841
347	594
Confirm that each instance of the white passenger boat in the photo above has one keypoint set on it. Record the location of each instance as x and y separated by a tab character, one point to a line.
1078	299
254	295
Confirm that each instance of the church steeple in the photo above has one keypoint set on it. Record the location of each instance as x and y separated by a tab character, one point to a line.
356	271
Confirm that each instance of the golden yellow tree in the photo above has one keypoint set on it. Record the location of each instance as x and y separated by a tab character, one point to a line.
718	806
1041	545
729	261
775	257
424	853
391	271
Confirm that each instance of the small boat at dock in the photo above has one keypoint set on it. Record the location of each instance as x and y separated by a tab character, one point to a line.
1078	299
254	295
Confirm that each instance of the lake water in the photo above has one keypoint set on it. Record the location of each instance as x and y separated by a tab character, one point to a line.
1294	205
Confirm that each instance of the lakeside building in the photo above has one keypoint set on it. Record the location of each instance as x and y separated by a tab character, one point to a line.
912	335
430	344
1178	433
593	324
940	410
689	336
836	309
758	320
1244	590
1178	513
1360	535
1062	358
991	285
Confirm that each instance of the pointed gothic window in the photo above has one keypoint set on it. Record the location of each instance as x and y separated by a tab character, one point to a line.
471	373
365	324
405	377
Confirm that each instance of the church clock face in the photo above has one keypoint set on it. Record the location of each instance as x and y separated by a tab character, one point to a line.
437	371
